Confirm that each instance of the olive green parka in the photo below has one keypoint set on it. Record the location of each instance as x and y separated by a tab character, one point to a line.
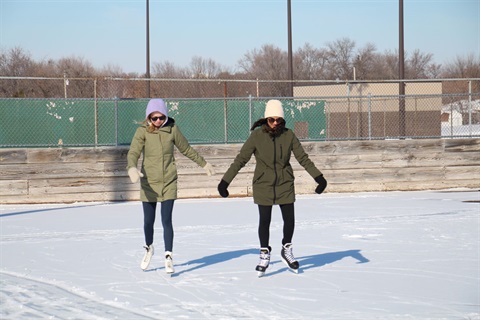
273	179
159	182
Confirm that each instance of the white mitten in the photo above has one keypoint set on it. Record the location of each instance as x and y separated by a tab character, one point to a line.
134	174
209	169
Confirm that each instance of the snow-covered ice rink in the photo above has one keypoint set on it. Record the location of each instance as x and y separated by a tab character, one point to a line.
392	255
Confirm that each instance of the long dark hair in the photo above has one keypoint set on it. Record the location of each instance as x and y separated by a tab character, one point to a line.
274	132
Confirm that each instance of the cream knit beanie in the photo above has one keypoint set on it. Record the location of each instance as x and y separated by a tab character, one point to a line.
274	109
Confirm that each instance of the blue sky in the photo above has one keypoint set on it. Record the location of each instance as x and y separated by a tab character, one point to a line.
113	32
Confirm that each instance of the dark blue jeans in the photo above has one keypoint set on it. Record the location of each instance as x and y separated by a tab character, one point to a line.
166	209
288	215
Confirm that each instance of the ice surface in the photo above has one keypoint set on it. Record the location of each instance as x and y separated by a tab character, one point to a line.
395	255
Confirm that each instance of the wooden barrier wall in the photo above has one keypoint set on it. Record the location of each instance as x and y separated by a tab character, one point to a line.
65	175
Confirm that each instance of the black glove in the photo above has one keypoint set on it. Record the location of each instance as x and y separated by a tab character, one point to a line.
322	184
222	188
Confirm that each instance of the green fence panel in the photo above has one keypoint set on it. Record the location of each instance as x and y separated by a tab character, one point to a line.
129	114
238	115
201	121
309	115
46	122
106	122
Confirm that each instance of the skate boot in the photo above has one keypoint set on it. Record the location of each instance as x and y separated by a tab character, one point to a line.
147	257
264	261
288	258
169	262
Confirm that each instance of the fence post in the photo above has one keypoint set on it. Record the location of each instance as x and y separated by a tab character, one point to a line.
401	108
225	112
369	116
469	108
250	112
96	110
116	121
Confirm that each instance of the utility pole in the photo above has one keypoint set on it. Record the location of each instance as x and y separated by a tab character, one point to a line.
401	75
290	59
147	73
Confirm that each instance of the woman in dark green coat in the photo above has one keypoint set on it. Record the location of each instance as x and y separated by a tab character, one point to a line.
273	181
156	140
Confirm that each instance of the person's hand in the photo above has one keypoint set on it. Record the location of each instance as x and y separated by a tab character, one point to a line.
209	169
222	188
134	174
322	184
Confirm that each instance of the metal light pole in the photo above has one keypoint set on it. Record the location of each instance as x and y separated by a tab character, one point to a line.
290	59
401	74
147	73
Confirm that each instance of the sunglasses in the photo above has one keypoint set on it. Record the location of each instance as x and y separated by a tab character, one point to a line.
273	120
156	118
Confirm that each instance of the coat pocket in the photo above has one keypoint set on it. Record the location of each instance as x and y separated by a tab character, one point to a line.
256	179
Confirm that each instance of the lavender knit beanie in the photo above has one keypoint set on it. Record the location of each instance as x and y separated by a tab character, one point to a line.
156	105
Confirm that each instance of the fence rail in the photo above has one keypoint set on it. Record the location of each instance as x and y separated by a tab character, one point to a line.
106	112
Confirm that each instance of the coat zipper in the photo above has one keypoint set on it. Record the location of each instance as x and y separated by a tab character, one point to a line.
274	169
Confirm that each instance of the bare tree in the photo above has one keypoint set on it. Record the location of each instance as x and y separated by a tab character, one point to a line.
463	67
364	62
310	63
417	65
386	65
75	67
267	63
75	70
340	58
111	70
16	63
168	70
204	68
434	71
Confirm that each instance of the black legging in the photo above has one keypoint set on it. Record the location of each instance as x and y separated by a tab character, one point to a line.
166	210
288	215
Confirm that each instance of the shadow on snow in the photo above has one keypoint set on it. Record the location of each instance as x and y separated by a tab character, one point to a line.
3	215
306	262
319	260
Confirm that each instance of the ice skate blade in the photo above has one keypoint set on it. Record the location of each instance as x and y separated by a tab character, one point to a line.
291	269
169	269
147	258
146	262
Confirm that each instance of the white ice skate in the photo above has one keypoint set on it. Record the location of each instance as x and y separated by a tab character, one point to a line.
169	262
147	257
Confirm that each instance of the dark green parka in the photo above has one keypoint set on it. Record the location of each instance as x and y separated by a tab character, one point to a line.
159	182
273	180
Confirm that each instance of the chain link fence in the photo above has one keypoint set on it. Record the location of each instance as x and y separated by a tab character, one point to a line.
46	112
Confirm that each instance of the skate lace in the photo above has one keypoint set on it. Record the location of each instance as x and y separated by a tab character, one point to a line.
288	254
149	250
264	259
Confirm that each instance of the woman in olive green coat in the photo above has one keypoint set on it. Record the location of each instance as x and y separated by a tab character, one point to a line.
273	181
156	140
